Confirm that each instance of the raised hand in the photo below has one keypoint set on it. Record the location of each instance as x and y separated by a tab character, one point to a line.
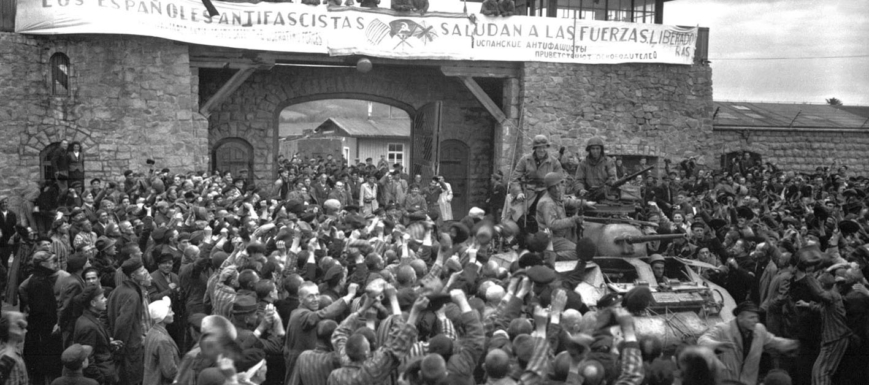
446	242
513	285
421	303
367	303
541	317
559	301
524	287
458	296
389	290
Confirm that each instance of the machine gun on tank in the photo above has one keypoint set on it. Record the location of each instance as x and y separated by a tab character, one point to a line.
606	192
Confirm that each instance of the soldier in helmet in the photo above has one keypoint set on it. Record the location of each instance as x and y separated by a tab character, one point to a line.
658	264
595	172
526	184
551	216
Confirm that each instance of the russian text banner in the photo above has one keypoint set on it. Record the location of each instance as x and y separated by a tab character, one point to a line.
292	27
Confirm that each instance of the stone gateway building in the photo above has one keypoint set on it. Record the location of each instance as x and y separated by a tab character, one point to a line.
130	98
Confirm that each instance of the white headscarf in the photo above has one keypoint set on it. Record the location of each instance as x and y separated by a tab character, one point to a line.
160	309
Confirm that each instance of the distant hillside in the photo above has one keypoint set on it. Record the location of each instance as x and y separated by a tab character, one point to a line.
320	110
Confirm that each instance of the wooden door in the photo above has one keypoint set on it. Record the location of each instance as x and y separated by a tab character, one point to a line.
233	155
455	164
424	134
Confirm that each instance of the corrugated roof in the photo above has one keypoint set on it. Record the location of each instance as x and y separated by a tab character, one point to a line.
781	115
856	110
367	128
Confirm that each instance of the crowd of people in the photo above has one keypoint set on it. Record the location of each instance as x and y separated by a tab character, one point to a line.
359	274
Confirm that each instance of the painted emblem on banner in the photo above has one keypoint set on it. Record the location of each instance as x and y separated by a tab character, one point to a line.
405	30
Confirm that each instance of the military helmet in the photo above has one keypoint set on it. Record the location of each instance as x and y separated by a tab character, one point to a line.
552	179
595	141
540	141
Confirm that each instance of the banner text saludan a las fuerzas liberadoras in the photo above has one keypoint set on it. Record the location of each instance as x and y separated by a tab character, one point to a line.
292	27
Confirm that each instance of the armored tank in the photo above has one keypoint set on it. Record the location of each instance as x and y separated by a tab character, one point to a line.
682	308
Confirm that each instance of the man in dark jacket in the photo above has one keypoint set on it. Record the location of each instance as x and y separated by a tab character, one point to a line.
129	320
91	332
70	287
8	220
302	328
497	196
165	283
60	161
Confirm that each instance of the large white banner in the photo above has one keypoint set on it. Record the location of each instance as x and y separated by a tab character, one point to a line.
293	27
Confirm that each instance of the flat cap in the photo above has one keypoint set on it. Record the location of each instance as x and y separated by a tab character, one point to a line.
541	274
75	354
244	304
746	306
131	265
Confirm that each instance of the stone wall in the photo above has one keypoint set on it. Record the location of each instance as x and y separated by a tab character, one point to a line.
130	98
638	109
800	150
252	111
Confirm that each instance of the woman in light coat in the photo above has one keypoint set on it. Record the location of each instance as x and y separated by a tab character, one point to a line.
368	195
445	199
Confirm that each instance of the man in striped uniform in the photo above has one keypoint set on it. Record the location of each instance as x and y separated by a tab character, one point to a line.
834	331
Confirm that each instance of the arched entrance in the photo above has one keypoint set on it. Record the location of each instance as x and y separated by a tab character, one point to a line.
253	112
234	155
455	164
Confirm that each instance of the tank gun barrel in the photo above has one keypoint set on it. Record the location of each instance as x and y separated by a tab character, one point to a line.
632	239
629	177
628	221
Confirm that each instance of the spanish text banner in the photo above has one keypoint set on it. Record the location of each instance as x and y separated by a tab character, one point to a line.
516	38
293	27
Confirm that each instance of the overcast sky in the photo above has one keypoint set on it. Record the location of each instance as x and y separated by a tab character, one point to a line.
746	29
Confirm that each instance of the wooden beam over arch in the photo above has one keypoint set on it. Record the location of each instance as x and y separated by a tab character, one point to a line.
226	90
484	98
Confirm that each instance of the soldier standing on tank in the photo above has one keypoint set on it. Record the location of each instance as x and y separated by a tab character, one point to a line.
595	172
526	183
551	216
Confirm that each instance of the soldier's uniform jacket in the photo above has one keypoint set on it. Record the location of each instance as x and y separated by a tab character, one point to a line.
594	173
532	170
551	215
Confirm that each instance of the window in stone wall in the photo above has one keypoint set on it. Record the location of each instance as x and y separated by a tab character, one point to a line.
59	64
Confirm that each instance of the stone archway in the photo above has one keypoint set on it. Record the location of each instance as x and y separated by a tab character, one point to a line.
252	111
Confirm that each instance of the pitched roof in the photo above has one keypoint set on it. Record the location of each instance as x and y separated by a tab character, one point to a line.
856	110
781	114
367	128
